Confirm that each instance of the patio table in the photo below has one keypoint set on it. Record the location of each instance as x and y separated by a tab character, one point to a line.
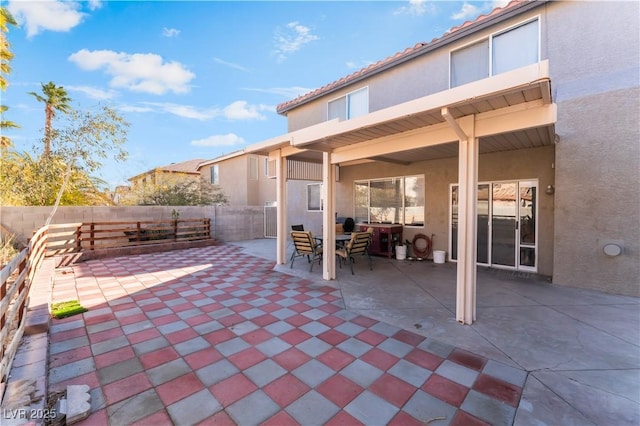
340	239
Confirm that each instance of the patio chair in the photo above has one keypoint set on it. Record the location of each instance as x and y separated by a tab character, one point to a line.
357	246
305	245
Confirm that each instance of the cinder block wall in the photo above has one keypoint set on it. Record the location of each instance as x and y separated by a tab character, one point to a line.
228	223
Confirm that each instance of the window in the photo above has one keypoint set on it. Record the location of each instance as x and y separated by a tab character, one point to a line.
215	176
253	168
515	48
314	197
392	200
470	63
510	49
351	105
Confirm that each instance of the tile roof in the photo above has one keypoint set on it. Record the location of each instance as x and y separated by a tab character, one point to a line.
406	54
189	166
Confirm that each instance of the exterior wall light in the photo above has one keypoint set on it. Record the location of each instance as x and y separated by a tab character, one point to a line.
612	249
550	190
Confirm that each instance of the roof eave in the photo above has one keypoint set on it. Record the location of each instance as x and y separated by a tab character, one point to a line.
426	48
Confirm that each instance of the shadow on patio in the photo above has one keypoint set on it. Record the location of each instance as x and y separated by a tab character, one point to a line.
581	348
218	335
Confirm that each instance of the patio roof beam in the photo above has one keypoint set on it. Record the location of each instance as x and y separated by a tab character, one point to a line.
389	160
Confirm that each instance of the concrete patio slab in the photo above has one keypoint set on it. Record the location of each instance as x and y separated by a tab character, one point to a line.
218	334
579	350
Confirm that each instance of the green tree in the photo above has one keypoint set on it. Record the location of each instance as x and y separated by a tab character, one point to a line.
177	192
5	141
55	99
5	68
64	177
5	47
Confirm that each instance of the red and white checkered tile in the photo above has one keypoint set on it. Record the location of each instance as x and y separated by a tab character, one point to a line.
211	335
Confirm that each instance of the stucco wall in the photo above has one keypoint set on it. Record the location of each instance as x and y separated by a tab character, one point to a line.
535	163
228	223
297	212
598	152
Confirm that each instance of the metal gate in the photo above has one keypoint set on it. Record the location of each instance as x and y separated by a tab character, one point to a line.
270	221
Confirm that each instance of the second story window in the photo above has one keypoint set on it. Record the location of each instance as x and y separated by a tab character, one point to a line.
500	52
215	175
253	168
351	105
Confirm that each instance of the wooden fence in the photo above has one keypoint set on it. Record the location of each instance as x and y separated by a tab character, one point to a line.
77	237
16	277
15	281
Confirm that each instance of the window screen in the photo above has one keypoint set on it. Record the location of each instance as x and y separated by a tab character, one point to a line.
515	48
470	63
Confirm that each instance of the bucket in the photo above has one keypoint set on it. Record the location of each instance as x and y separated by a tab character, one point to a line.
438	256
401	252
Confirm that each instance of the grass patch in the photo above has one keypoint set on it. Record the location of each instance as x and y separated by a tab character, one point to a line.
66	309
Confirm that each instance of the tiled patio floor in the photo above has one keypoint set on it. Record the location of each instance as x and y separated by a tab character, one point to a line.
213	336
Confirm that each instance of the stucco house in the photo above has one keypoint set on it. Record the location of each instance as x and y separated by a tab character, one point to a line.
244	178
513	139
183	170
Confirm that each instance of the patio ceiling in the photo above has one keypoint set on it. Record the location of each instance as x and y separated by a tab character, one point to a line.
518	90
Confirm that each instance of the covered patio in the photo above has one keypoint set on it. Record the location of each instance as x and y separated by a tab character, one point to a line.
513	111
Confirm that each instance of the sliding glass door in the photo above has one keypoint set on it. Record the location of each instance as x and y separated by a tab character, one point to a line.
506	224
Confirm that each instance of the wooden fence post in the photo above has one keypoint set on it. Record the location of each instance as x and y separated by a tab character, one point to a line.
79	239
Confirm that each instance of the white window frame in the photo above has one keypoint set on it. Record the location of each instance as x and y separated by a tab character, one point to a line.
320	201
348	111
490	37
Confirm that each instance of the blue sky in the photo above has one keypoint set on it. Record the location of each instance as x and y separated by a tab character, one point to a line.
200	79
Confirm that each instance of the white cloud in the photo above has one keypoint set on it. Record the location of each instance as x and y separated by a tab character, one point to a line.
185	111
285	92
241	110
230	65
230	139
133	108
170	32
500	3
467	11
94	4
291	39
138	72
417	8
52	15
236	111
93	92
353	65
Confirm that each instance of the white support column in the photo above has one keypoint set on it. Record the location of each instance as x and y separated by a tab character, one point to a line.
467	218
281	209
328	218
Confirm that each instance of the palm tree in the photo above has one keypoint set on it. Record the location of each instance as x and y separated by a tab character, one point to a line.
5	54
5	141
5	58
55	99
